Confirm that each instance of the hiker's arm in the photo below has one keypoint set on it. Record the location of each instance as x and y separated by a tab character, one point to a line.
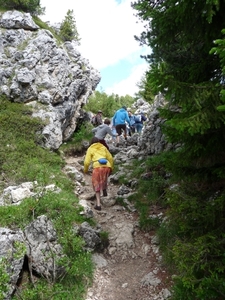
110	159
87	161
109	131
127	119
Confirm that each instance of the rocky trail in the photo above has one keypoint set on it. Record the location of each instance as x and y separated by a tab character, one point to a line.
130	267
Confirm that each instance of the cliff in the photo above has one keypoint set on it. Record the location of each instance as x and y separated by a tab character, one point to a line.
50	76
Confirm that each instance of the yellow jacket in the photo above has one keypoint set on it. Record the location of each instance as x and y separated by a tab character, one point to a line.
95	152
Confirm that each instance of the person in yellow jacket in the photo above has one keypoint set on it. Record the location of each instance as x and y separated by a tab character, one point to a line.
100	173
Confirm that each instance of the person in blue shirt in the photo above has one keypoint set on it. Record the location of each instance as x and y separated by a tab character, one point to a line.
119	121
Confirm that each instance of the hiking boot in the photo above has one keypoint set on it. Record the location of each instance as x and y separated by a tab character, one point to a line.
105	193
97	207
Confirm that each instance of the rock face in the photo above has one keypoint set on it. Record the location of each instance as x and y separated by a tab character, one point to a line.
152	141
53	78
38	244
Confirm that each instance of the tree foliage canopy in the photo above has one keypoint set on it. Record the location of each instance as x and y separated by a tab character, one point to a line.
68	28
31	6
183	66
108	104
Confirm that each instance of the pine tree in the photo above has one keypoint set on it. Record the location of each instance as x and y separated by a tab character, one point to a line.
68	29
183	68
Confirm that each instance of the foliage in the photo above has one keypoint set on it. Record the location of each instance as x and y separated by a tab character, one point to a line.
4	278
18	148
145	90
23	159
30	6
191	77
108	104
68	29
219	50
151	178
104	236
81	136
44	25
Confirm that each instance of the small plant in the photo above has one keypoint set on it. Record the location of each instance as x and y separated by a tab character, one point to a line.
104	236
150	189
43	25
78	143
4	278
120	201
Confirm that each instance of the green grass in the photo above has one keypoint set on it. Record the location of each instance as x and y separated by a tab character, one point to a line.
23	159
43	25
76	146
149	191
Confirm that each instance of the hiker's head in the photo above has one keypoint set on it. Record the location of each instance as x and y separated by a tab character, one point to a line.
129	111
124	107
99	112
107	121
94	140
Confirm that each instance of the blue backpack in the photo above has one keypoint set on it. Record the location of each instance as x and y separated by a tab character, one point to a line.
137	119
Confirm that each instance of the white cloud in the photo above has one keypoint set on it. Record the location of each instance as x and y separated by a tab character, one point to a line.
106	29
128	86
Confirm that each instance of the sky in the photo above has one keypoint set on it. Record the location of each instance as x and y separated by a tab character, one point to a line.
107	29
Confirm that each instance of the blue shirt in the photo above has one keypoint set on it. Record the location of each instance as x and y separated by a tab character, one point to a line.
120	117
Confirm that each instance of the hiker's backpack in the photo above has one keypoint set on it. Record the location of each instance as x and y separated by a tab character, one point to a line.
137	119
94	120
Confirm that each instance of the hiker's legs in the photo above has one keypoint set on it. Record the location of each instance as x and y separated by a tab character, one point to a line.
125	131
129	131
98	200
103	142
132	129
96	184
139	127
105	172
119	132
122	128
100	181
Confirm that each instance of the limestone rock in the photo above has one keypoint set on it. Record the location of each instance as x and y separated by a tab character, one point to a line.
55	80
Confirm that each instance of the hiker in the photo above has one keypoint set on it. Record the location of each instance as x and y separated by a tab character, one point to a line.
102	130
97	119
100	173
132	122
139	119
119	121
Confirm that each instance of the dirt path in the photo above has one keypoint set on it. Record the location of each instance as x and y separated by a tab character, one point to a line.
130	267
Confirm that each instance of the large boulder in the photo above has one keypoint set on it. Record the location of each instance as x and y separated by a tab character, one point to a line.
152	140
12	253
52	77
38	245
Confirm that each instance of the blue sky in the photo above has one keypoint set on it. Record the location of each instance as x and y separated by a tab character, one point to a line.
107	29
